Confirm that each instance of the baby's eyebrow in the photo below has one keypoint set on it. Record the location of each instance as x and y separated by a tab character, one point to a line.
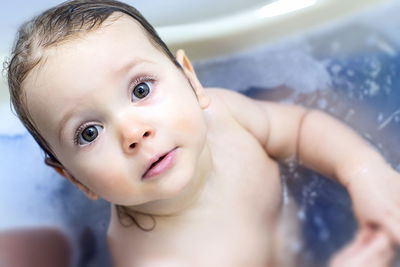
130	65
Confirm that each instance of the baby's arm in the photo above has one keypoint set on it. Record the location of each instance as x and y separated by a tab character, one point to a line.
369	248
326	145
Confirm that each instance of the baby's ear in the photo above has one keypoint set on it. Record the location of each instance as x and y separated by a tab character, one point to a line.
59	168
190	74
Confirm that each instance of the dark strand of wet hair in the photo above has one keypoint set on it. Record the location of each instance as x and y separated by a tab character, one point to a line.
123	213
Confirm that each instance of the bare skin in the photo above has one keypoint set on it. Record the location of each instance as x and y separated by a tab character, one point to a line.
224	224
370	247
215	193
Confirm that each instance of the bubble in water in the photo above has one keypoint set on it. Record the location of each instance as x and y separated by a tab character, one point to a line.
350	73
375	67
302	215
336	69
372	88
323	232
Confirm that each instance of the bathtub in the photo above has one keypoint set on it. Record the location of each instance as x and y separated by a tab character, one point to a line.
338	56
348	67
205	28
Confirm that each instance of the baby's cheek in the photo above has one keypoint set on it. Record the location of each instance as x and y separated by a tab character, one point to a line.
100	175
112	186
184	125
191	124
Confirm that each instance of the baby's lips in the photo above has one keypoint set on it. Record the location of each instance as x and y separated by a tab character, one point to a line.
163	159
154	160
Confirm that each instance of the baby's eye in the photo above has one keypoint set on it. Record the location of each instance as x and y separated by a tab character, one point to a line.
89	134
140	91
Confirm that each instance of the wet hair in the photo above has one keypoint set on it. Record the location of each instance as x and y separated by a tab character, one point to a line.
52	27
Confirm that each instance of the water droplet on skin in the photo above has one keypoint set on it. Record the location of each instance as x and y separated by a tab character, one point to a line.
375	68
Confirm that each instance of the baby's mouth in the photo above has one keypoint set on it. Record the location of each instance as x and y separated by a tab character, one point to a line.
159	164
155	163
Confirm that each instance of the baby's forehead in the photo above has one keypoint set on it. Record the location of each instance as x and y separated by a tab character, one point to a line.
116	25
120	20
116	37
85	59
93	59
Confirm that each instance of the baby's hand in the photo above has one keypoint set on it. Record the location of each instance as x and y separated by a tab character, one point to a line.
376	200
369	248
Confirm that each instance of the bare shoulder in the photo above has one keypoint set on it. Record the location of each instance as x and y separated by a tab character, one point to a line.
228	97
219	96
249	113
237	103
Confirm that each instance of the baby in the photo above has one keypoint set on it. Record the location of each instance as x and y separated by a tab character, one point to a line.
191	172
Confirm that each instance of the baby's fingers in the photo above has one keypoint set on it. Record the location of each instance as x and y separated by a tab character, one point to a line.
380	246
369	248
391	225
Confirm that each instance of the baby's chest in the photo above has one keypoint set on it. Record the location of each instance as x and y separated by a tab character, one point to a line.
222	239
245	175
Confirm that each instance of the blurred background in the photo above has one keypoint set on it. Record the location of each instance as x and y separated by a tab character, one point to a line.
338	56
206	28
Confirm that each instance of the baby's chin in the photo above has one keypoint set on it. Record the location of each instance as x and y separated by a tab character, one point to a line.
170	199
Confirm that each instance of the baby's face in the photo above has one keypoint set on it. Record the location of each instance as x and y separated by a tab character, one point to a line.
110	104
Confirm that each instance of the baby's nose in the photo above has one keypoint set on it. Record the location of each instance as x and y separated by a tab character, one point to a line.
134	136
